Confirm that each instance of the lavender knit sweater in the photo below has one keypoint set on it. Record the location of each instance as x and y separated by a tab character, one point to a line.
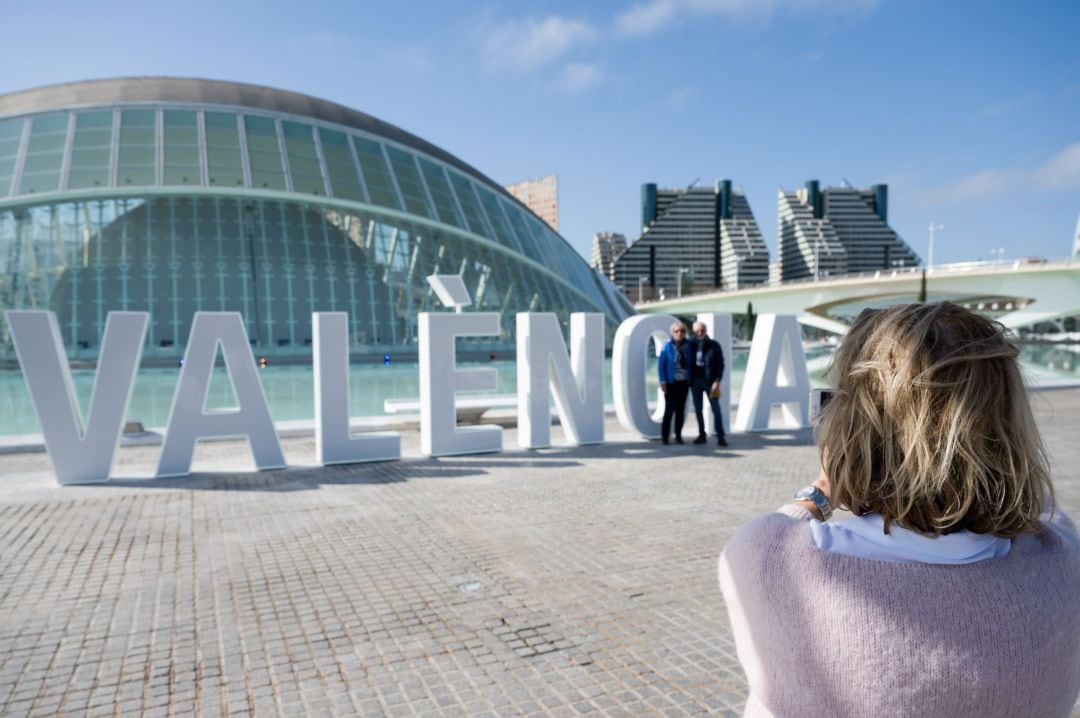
823	634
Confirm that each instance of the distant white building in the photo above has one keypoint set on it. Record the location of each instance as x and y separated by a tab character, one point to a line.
606	246
541	195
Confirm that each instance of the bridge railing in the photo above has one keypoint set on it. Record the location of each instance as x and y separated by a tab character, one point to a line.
999	265
1002	265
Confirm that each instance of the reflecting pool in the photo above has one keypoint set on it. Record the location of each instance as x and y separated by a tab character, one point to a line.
290	389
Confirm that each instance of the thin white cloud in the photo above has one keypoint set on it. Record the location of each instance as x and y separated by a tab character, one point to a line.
896	180
975	186
1062	171
680	96
1059	172
578	77
322	46
645	18
1011	104
650	16
339	49
529	43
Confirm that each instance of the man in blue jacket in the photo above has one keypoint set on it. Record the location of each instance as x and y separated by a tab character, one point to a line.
706	371
675	360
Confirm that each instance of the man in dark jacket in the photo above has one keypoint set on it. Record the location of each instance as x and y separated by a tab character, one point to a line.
706	372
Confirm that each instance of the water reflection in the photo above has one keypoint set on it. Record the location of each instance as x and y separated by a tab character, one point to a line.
289	389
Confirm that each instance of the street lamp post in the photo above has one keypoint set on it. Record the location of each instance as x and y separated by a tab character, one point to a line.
1000	252
930	254
641	286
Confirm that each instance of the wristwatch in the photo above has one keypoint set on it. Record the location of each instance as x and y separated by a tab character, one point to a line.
813	493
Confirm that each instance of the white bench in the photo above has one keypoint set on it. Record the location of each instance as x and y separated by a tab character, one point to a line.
469	408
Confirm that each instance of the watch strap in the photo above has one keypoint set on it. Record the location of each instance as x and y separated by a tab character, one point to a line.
813	494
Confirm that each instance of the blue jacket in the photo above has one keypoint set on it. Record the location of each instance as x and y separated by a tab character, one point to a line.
667	361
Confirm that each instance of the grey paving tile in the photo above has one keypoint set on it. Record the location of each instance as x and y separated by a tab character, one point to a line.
347	590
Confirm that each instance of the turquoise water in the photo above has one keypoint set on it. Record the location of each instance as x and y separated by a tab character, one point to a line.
289	389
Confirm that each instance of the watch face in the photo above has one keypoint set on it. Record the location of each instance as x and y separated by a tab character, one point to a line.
805	494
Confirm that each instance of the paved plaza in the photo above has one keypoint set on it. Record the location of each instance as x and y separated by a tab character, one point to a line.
563	582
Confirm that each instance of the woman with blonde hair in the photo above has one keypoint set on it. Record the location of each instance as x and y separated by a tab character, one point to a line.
955	588
674	369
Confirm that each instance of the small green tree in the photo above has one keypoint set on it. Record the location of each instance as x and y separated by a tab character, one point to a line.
751	320
922	288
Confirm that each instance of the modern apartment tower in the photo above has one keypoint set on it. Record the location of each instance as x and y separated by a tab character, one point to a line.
838	230
541	195
606	246
695	237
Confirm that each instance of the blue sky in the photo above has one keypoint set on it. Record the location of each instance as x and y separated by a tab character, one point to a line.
970	111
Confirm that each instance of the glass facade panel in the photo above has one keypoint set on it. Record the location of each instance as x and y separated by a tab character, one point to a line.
224	163
344	180
563	255
45	154
439	189
137	162
525	238
182	162
408	180
546	242
91	150
474	215
579	273
303	158
10	136
380	186
271	259
503	234
264	153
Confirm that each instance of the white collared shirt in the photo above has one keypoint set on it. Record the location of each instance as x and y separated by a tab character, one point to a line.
864	536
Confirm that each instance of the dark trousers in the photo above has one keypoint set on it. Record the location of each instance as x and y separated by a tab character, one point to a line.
674	404
699	389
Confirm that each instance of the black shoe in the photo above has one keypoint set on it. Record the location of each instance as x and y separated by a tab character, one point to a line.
700	440
721	441
666	442
678	440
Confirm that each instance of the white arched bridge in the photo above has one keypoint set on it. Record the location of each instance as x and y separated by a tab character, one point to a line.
1018	294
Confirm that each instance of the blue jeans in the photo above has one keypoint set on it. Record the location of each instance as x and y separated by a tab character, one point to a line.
698	389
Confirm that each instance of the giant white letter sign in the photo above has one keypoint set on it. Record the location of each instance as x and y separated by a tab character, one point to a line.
543	363
189	420
440	379
775	374
80	454
333	444
719	328
628	371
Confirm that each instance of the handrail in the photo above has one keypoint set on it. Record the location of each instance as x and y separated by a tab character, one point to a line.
953	267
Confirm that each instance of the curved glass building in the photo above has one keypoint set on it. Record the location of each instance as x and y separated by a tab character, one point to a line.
173	196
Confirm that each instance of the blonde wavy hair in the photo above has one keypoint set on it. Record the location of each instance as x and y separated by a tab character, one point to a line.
930	425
